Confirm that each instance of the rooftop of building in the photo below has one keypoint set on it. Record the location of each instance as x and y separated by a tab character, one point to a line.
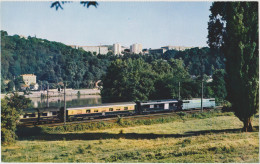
28	75
92	46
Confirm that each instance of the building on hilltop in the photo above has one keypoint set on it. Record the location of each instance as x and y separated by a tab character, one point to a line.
178	48
97	49
136	48
145	51
157	51
22	36
117	49
93	49
74	46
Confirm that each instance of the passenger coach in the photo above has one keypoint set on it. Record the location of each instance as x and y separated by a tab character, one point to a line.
101	110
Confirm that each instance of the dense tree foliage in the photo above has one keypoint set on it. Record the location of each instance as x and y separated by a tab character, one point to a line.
18	102
51	62
9	118
135	79
218	85
129	80
233	30
193	58
11	108
54	63
169	74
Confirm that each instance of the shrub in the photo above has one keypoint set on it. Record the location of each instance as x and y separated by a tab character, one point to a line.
182	114
89	147
81	150
227	106
185	142
119	120
11	108
9	119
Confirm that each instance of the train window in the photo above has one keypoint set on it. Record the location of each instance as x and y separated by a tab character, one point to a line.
171	104
54	113
88	111
158	106
110	109
117	109
211	100
31	115
96	110
146	106
24	116
185	102
44	114
125	108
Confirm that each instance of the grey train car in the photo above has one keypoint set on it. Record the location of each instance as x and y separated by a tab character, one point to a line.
196	103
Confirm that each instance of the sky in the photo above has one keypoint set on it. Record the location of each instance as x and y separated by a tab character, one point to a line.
152	24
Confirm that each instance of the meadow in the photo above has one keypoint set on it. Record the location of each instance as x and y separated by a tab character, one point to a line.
211	137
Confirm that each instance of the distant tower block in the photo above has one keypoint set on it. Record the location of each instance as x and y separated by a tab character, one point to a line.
136	48
117	49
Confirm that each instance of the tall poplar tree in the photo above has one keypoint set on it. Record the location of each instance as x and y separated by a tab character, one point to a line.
233	30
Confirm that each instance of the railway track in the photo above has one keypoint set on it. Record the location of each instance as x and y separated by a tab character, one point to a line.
113	119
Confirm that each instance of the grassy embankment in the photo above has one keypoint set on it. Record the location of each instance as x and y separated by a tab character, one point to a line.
210	137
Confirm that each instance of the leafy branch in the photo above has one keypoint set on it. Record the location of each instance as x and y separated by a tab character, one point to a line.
59	4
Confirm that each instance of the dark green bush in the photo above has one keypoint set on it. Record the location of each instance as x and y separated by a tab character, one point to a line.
11	108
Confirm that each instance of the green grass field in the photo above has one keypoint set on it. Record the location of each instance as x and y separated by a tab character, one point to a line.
210	139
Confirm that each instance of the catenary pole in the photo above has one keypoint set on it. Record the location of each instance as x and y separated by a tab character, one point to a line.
179	90
65	103
47	95
201	95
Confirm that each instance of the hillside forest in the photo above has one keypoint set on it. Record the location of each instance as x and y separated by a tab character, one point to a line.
126	77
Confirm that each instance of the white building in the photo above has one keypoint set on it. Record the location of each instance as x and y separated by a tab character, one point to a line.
97	49
30	82
136	48
117	49
29	79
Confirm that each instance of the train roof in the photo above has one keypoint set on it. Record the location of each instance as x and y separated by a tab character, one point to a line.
101	105
42	109
158	101
200	99
29	110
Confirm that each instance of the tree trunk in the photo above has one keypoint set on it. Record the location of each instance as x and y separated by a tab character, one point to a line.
247	125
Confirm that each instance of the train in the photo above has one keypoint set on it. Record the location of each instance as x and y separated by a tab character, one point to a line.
113	109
